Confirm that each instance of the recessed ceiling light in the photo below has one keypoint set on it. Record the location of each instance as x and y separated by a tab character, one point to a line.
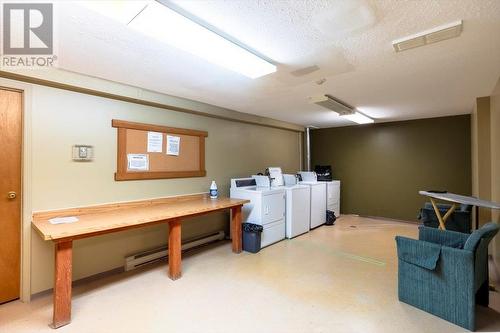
430	36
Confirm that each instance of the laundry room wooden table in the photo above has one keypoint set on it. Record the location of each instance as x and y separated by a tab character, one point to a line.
103	219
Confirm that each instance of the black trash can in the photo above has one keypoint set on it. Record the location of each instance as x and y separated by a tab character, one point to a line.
330	217
251	237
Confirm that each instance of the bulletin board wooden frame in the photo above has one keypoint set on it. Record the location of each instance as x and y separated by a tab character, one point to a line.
160	165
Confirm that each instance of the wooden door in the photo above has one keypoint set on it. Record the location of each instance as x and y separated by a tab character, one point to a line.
10	193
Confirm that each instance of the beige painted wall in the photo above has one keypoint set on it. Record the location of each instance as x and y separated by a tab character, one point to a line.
495	166
474	152
482	115
59	119
485	132
55	77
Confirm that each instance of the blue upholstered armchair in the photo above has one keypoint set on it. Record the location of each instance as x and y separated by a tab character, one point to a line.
445	272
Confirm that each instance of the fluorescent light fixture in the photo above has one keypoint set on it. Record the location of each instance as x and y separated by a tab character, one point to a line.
341	108
358	117
332	103
437	34
168	26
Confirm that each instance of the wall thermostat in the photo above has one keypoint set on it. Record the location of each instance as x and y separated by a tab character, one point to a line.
83	153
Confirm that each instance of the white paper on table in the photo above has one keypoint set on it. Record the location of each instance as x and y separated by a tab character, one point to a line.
60	220
138	162
173	145
155	142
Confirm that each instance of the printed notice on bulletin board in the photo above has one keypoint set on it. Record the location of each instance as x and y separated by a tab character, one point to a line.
138	162
155	142
173	145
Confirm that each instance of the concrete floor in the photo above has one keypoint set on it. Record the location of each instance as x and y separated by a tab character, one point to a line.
333	279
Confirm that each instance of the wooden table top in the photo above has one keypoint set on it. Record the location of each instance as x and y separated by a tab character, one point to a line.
102	219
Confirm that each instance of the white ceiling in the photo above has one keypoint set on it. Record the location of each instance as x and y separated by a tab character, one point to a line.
349	40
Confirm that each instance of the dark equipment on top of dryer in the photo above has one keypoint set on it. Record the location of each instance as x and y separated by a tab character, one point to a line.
323	172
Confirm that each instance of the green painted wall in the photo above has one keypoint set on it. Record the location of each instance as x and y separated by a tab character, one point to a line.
383	166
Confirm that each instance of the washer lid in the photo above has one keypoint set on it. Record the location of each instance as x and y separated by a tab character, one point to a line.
266	190
296	186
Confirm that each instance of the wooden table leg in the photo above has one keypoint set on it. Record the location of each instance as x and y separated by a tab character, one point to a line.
174	249
236	228
62	284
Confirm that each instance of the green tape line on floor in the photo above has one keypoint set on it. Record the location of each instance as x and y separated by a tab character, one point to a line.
359	258
345	254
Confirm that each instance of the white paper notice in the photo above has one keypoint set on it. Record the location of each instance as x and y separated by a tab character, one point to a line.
173	144
60	220
138	162
155	142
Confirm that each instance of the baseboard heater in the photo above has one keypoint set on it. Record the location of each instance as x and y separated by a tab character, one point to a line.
161	253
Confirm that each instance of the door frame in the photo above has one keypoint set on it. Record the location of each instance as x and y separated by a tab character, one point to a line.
26	184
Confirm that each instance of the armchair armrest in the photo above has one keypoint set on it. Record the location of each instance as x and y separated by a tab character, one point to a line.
459	264
442	237
419	253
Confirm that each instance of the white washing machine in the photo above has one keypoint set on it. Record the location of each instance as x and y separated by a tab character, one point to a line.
318	198
297	198
266	208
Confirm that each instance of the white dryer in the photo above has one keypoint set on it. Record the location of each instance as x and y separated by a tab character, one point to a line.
333	196
266	208
298	208
318	198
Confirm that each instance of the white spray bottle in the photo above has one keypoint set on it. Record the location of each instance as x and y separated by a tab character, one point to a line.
213	190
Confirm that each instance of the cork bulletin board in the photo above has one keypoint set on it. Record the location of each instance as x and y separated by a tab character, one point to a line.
148	151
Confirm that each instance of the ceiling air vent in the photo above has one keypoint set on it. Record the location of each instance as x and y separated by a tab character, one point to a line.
332	103
430	36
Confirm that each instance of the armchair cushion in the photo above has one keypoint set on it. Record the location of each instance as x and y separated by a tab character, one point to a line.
443	237
418	253
487	231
